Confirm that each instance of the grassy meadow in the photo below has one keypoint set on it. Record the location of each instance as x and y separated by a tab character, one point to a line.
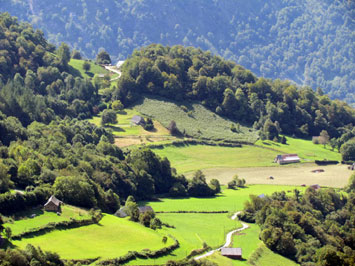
229	200
78	70
196	121
304	148
25	223
111	238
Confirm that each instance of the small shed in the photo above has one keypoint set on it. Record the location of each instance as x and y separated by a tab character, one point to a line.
232	253
287	158
137	120
315	187
143	209
53	204
122	212
261	196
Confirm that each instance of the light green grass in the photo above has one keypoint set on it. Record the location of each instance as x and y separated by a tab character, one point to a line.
304	148
200	123
42	218
77	65
194	157
112	238
192	230
229	200
248	240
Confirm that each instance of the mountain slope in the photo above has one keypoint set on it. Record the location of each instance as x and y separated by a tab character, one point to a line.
309	42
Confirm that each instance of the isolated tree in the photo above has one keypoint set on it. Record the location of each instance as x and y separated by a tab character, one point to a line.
8	232
347	150
76	54
117	105
173	128
323	137
108	117
86	66
63	53
103	58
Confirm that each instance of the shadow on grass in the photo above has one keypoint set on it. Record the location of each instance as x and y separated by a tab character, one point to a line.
74	72
116	128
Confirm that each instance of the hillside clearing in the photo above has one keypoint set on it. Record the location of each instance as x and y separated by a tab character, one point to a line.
78	70
111	238
196	121
43	218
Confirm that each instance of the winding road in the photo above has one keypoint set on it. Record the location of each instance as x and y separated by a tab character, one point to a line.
228	238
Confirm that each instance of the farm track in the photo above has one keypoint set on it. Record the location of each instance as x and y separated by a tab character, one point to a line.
228	238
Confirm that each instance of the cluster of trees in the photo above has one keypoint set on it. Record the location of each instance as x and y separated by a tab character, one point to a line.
277	106
36	81
309	42
77	162
314	228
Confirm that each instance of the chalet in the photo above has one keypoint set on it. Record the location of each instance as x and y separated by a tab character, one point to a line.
53	204
287	158
137	120
315	187
144	209
232	253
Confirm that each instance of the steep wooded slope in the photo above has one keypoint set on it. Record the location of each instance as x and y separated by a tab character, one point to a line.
310	42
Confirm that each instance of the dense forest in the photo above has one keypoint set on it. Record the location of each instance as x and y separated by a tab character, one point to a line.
316	228
309	42
45	148
275	106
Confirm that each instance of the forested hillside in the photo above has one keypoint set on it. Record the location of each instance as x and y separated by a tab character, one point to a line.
309	42
228	89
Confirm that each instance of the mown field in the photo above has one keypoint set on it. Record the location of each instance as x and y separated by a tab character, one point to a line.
24	222
196	121
111	238
336	176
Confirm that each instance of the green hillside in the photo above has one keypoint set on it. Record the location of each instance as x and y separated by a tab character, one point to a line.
194	120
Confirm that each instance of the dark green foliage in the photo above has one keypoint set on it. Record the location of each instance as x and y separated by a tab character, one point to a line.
348	150
198	187
148	124
35	84
29	257
103	58
86	66
275	107
276	39
76	54
108	117
314	228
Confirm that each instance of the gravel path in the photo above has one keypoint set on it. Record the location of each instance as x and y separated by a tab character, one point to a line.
228	238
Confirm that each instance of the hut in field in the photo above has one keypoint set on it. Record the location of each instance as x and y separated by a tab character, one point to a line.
232	253
137	120
144	209
53	204
315	187
122	212
287	158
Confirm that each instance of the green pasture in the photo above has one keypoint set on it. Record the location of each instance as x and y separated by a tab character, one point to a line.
77	68
304	148
229	200
248	241
196	121
111	238
23	222
194	157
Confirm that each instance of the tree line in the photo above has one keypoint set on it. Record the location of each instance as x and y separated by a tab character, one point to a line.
309	42
275	106
316	228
